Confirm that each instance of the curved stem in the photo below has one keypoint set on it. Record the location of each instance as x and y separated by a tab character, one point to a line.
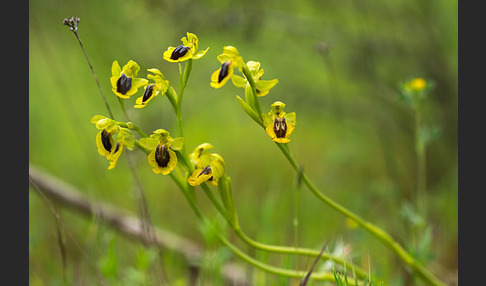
265	267
274	248
369	227
132	126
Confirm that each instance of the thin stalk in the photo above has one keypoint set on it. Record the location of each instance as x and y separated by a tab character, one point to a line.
122	106
377	232
295	220
421	165
184	76
73	24
143	209
132	126
61	221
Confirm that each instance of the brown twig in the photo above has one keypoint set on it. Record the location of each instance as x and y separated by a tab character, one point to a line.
127	224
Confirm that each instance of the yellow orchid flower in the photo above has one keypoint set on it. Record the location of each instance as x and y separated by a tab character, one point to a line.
230	59
159	86
124	81
262	86
278	124
188	50
163	159
105	141
210	168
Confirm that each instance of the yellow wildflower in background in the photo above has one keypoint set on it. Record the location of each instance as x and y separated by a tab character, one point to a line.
417	84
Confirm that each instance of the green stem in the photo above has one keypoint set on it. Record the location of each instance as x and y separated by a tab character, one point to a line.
377	232
184	76
265	267
122	105
421	165
296	210
94	74
274	248
132	126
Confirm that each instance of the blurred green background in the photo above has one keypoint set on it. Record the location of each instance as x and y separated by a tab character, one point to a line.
338	63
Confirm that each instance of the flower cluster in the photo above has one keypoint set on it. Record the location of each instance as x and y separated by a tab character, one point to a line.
278	124
163	151
160	146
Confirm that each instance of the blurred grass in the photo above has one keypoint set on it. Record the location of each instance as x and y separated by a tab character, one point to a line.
338	65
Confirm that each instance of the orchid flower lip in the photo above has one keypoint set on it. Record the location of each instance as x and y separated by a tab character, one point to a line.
280	127
123	84
162	155
117	147
148	92
224	71
205	171
179	52
105	139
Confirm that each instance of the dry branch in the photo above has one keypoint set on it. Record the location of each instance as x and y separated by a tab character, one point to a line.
126	223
